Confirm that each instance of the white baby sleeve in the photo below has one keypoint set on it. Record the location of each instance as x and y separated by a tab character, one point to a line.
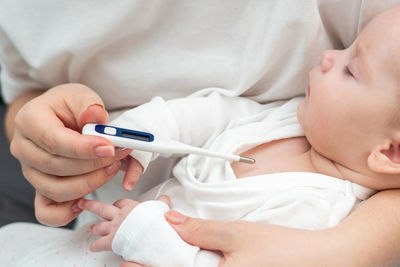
191	120
146	237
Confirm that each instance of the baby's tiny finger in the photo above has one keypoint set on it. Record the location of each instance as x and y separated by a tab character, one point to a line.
104	210
124	164
101	244
132	174
121	203
101	228
165	199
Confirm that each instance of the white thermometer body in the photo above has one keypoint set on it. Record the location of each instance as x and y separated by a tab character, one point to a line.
145	141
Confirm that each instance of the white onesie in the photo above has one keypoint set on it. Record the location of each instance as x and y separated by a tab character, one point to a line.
207	187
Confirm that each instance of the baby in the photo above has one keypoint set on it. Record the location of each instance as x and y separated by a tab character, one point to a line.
317	158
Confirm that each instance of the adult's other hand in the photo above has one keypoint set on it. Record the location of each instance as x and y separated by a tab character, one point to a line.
252	244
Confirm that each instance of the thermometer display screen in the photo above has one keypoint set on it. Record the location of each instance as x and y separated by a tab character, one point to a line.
126	133
136	136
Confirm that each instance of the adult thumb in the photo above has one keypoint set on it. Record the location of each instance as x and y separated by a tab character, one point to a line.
206	234
94	113
86	105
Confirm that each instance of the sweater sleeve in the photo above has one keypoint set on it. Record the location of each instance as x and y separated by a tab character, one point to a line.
190	120
146	237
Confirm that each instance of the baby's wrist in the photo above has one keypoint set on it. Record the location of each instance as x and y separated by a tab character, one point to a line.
140	219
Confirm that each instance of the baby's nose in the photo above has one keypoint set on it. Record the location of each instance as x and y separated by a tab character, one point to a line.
327	61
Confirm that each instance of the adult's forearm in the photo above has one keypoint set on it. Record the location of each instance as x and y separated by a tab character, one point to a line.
370	235
14	107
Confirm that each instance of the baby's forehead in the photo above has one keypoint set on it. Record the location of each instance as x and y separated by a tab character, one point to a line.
381	42
383	30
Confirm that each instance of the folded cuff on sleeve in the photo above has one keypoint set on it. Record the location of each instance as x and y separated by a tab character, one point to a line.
146	237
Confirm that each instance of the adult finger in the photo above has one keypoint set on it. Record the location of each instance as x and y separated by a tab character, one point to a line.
49	133
132	174
207	234
104	210
67	188
76	111
94	113
57	129
53	213
90	108
43	161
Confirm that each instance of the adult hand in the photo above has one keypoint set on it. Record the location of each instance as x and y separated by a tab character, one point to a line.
56	159
253	244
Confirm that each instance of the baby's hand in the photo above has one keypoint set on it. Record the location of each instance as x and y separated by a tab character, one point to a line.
113	216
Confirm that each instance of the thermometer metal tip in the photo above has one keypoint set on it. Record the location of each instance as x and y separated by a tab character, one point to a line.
247	160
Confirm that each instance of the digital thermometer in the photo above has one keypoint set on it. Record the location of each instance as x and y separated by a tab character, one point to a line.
148	142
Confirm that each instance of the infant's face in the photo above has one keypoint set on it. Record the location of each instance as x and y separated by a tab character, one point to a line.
353	95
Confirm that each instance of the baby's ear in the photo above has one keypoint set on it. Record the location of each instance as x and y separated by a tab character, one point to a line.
385	158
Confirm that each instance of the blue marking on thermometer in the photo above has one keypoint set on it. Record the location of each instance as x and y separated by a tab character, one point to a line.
145	141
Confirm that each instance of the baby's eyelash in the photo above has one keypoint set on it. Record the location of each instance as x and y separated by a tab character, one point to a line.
347	71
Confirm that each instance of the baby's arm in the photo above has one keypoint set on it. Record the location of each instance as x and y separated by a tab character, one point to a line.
139	233
191	120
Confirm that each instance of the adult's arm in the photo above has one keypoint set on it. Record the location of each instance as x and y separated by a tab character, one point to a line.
367	237
63	166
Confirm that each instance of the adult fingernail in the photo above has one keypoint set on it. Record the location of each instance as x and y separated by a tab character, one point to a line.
174	217
104	151
96	105
113	168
